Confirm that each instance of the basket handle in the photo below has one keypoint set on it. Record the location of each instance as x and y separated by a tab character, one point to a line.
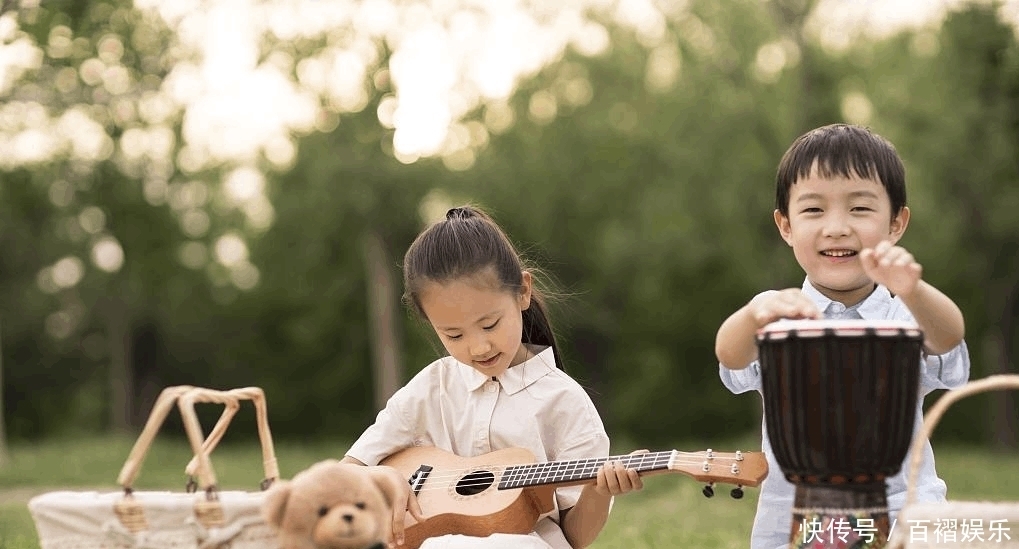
170	395
989	383
129	472
202	448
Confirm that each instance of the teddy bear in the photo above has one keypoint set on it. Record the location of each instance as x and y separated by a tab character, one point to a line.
332	505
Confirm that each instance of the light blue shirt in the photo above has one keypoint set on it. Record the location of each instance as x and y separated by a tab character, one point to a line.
774	508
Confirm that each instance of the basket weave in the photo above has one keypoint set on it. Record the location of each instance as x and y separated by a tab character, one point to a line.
205	518
955	524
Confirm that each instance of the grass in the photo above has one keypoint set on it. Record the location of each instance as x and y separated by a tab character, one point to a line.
669	512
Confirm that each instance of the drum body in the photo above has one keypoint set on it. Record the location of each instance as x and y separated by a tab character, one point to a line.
840	402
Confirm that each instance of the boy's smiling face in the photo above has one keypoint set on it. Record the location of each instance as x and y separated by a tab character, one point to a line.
832	219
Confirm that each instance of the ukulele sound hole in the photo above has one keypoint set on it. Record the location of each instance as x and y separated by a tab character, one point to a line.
475	483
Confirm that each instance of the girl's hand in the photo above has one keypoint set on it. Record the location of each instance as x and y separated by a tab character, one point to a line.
614	479
403	500
891	266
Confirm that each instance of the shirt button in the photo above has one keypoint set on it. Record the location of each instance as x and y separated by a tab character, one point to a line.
492	387
837	307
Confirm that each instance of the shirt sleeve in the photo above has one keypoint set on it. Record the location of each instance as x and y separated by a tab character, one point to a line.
947	371
391	432
581	435
741	381
594	445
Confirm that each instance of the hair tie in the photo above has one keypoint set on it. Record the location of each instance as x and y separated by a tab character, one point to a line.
459	213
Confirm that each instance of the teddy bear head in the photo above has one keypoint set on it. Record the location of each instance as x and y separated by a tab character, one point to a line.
331	505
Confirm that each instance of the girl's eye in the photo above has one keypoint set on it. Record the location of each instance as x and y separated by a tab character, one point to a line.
453	337
493	325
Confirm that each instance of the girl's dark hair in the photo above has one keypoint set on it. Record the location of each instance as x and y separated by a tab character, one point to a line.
845	150
462	245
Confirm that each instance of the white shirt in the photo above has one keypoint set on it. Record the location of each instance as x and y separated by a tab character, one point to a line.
533	405
773	522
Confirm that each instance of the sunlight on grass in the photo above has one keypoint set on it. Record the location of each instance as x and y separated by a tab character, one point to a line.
669	512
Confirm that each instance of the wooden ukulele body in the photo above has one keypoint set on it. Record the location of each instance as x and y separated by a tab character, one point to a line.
463	497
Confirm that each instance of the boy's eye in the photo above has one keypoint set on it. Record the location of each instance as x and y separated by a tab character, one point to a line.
492	325
811	210
453	337
861	209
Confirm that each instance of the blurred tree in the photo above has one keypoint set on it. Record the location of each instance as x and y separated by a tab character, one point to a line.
3	423
964	135
637	169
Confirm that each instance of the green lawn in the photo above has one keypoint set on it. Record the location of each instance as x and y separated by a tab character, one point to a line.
669	512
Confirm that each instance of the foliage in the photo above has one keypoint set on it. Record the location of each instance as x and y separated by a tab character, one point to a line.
639	178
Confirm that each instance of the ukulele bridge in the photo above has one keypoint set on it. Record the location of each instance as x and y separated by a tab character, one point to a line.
417	480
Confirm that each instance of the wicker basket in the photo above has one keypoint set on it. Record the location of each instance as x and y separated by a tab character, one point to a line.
955	524
200	517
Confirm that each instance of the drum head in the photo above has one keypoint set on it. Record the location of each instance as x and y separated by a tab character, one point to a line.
782	329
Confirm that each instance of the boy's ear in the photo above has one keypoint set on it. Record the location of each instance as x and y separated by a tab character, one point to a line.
782	222
526	280
899	224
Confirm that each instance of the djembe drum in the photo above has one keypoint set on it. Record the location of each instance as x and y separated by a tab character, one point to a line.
840	405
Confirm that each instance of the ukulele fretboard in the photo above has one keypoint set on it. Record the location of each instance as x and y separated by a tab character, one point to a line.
554	472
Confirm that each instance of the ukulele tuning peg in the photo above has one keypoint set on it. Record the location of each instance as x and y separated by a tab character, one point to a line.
708	491
737	492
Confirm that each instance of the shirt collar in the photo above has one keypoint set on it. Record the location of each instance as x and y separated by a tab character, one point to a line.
873	307
514	379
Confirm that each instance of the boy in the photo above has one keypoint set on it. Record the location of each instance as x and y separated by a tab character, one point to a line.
841	206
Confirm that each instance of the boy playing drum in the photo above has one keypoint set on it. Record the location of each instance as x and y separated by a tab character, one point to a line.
841	206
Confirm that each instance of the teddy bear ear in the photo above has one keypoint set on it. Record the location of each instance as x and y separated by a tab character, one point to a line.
275	503
386	485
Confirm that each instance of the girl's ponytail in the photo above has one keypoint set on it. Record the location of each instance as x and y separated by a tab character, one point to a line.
537	327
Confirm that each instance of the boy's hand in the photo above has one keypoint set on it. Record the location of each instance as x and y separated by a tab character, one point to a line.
891	266
614	479
791	303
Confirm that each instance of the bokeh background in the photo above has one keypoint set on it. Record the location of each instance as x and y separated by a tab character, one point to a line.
220	192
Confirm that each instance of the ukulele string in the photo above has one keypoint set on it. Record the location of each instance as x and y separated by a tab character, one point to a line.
592	467
630	460
447	477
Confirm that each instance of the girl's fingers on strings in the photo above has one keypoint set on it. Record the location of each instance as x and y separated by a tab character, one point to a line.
629	481
415	509
611	480
601	484
636	483
399	515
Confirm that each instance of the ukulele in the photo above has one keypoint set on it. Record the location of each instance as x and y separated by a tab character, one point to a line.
505	491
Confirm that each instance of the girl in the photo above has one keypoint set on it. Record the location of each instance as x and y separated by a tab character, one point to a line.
501	385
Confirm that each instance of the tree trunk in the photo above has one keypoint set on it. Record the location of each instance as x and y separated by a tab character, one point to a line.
383	307
120	377
3	431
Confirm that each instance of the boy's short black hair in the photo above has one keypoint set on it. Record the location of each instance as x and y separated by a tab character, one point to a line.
842	150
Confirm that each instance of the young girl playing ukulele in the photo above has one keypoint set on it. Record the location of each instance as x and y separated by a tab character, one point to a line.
500	387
